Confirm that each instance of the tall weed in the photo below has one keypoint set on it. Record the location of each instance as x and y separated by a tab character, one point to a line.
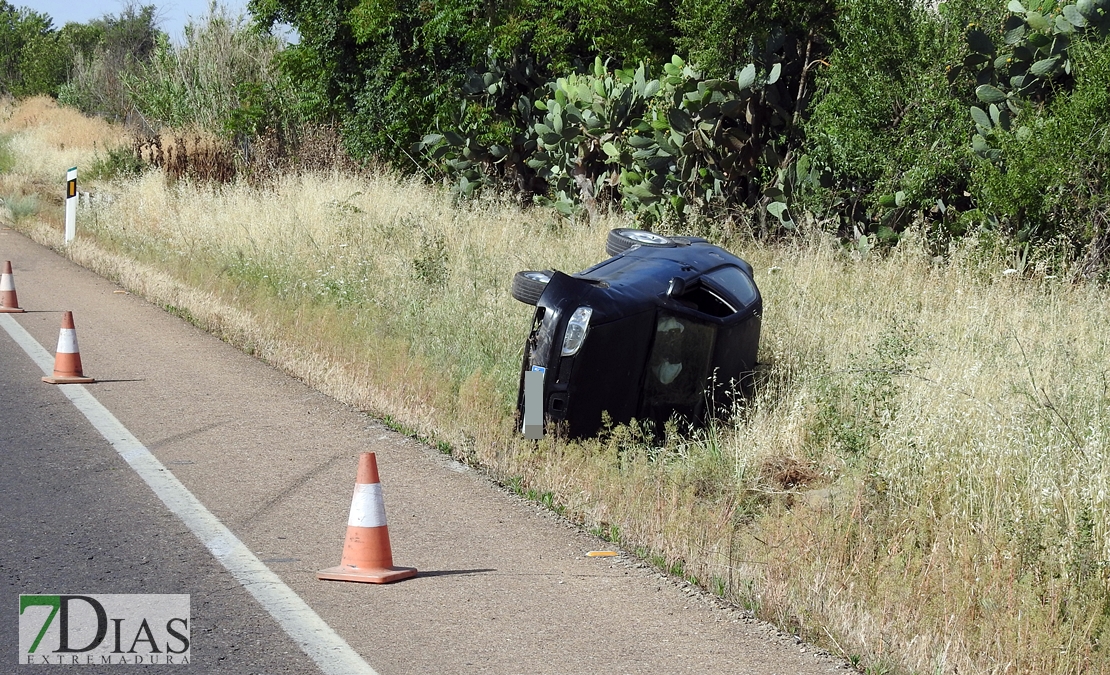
96	83
223	79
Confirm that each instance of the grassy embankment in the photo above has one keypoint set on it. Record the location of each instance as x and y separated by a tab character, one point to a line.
920	482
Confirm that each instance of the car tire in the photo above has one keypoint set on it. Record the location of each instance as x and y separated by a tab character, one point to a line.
529	285
623	238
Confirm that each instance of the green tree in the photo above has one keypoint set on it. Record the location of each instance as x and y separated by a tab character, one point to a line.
718	36
390	70
33	60
566	35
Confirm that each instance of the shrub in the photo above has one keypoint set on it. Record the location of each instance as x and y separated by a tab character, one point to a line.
881	125
7	157
223	79
119	162
664	148
1051	180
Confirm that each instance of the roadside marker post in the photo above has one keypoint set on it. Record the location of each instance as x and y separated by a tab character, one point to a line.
71	204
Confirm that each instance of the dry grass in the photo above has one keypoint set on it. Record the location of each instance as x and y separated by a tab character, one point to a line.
47	137
920	481
47	140
958	417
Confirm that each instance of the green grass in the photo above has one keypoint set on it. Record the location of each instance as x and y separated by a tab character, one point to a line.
7	157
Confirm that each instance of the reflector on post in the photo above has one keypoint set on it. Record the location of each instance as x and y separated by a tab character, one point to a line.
71	204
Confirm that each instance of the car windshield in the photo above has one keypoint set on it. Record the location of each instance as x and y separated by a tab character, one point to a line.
677	367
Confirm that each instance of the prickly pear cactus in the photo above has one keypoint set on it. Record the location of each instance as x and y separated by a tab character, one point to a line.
583	127
473	153
1031	62
658	146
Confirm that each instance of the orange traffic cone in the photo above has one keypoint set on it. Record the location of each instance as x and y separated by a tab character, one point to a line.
67	362
9	304
367	556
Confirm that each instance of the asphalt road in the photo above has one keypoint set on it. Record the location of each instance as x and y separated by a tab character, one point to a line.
504	587
76	520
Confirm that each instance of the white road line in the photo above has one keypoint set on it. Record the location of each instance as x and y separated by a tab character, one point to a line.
322	644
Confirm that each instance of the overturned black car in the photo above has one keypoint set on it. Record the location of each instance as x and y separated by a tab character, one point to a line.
666	327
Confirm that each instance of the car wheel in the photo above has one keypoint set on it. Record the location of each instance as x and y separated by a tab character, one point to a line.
529	285
623	238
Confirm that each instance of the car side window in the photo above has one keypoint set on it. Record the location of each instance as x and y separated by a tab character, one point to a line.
737	282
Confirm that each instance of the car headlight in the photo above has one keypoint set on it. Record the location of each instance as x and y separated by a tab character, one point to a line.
576	330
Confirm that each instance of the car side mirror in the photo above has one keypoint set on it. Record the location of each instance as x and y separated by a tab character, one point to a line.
676	288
